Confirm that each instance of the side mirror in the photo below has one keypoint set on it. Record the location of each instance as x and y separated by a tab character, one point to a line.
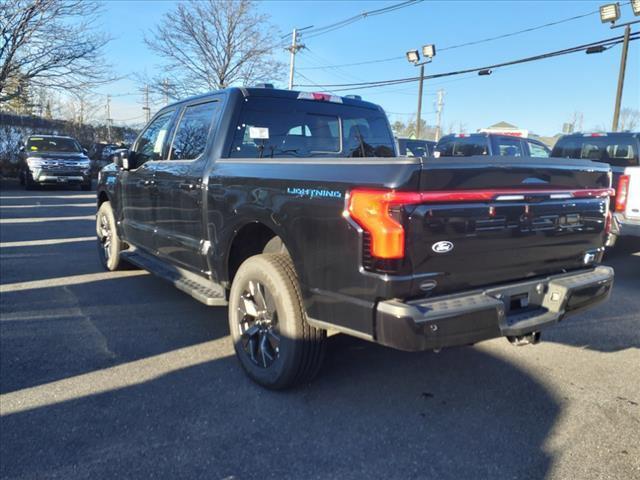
121	159
85	151
21	148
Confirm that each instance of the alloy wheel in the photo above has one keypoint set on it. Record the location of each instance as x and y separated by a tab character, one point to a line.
258	326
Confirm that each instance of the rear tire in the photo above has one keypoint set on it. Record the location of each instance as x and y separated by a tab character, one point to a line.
273	341
109	244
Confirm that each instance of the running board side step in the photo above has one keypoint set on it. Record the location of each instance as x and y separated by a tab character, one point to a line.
203	290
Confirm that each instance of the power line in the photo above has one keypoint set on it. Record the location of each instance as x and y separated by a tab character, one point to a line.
467	44
317	31
604	43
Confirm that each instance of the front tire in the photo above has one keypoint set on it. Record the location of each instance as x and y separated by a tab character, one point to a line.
109	244
273	341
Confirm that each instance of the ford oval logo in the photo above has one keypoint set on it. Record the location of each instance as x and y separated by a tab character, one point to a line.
442	247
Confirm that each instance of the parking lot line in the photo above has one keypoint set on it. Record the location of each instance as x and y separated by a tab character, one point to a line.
69	280
31	197
108	379
56	205
49	241
44	219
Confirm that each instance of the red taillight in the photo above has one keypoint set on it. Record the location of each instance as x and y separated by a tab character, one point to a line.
370	209
622	193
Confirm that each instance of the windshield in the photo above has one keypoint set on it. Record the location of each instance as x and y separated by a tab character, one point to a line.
276	127
52	144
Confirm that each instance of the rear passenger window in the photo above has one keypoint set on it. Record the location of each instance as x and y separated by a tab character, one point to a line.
538	150
510	147
622	154
190	139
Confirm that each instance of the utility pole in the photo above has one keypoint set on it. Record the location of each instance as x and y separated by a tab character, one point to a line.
419	114
146	108
439	107
623	67
165	91
109	119
293	49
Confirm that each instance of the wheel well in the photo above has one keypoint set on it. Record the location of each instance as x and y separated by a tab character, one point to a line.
252	239
102	197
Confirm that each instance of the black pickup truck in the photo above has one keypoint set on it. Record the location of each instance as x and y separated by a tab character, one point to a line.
294	209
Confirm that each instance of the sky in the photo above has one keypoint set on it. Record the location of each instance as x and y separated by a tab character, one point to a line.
538	96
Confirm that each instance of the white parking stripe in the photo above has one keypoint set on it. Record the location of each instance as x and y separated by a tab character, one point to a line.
31	197
70	280
44	219
56	205
48	241
112	378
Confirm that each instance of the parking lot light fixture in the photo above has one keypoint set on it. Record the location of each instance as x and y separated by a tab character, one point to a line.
609	12
413	56
429	51
596	49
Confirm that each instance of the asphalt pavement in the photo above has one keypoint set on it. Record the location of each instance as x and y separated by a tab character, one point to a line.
120	375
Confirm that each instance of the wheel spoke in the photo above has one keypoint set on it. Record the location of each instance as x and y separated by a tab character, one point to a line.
251	331
267	358
256	292
249	307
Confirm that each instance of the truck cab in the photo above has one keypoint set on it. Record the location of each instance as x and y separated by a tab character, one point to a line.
619	150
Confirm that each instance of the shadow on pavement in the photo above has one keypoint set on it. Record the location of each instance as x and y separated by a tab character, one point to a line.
460	414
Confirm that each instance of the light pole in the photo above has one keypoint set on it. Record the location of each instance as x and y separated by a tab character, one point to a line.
611	13
413	56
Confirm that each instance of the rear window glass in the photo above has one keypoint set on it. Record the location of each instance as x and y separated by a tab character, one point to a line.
510	147
413	148
52	144
616	151
281	128
463	147
537	150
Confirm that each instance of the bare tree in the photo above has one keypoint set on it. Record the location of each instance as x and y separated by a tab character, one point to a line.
213	44
629	119
50	44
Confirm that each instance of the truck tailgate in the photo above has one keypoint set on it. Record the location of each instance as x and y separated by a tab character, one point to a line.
541	216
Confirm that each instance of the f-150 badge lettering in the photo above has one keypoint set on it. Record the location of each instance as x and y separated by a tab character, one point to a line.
442	247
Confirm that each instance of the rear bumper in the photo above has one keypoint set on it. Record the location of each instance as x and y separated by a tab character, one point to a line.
623	226
508	310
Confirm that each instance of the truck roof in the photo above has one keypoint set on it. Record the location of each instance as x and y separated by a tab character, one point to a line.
279	93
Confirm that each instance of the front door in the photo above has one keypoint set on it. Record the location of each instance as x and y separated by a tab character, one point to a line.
179	211
138	183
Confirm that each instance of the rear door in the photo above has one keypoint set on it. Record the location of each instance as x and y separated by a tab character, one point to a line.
180	232
138	184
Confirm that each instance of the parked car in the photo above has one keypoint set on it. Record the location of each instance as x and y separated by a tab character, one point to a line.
292	209
410	147
619	150
469	144
54	160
